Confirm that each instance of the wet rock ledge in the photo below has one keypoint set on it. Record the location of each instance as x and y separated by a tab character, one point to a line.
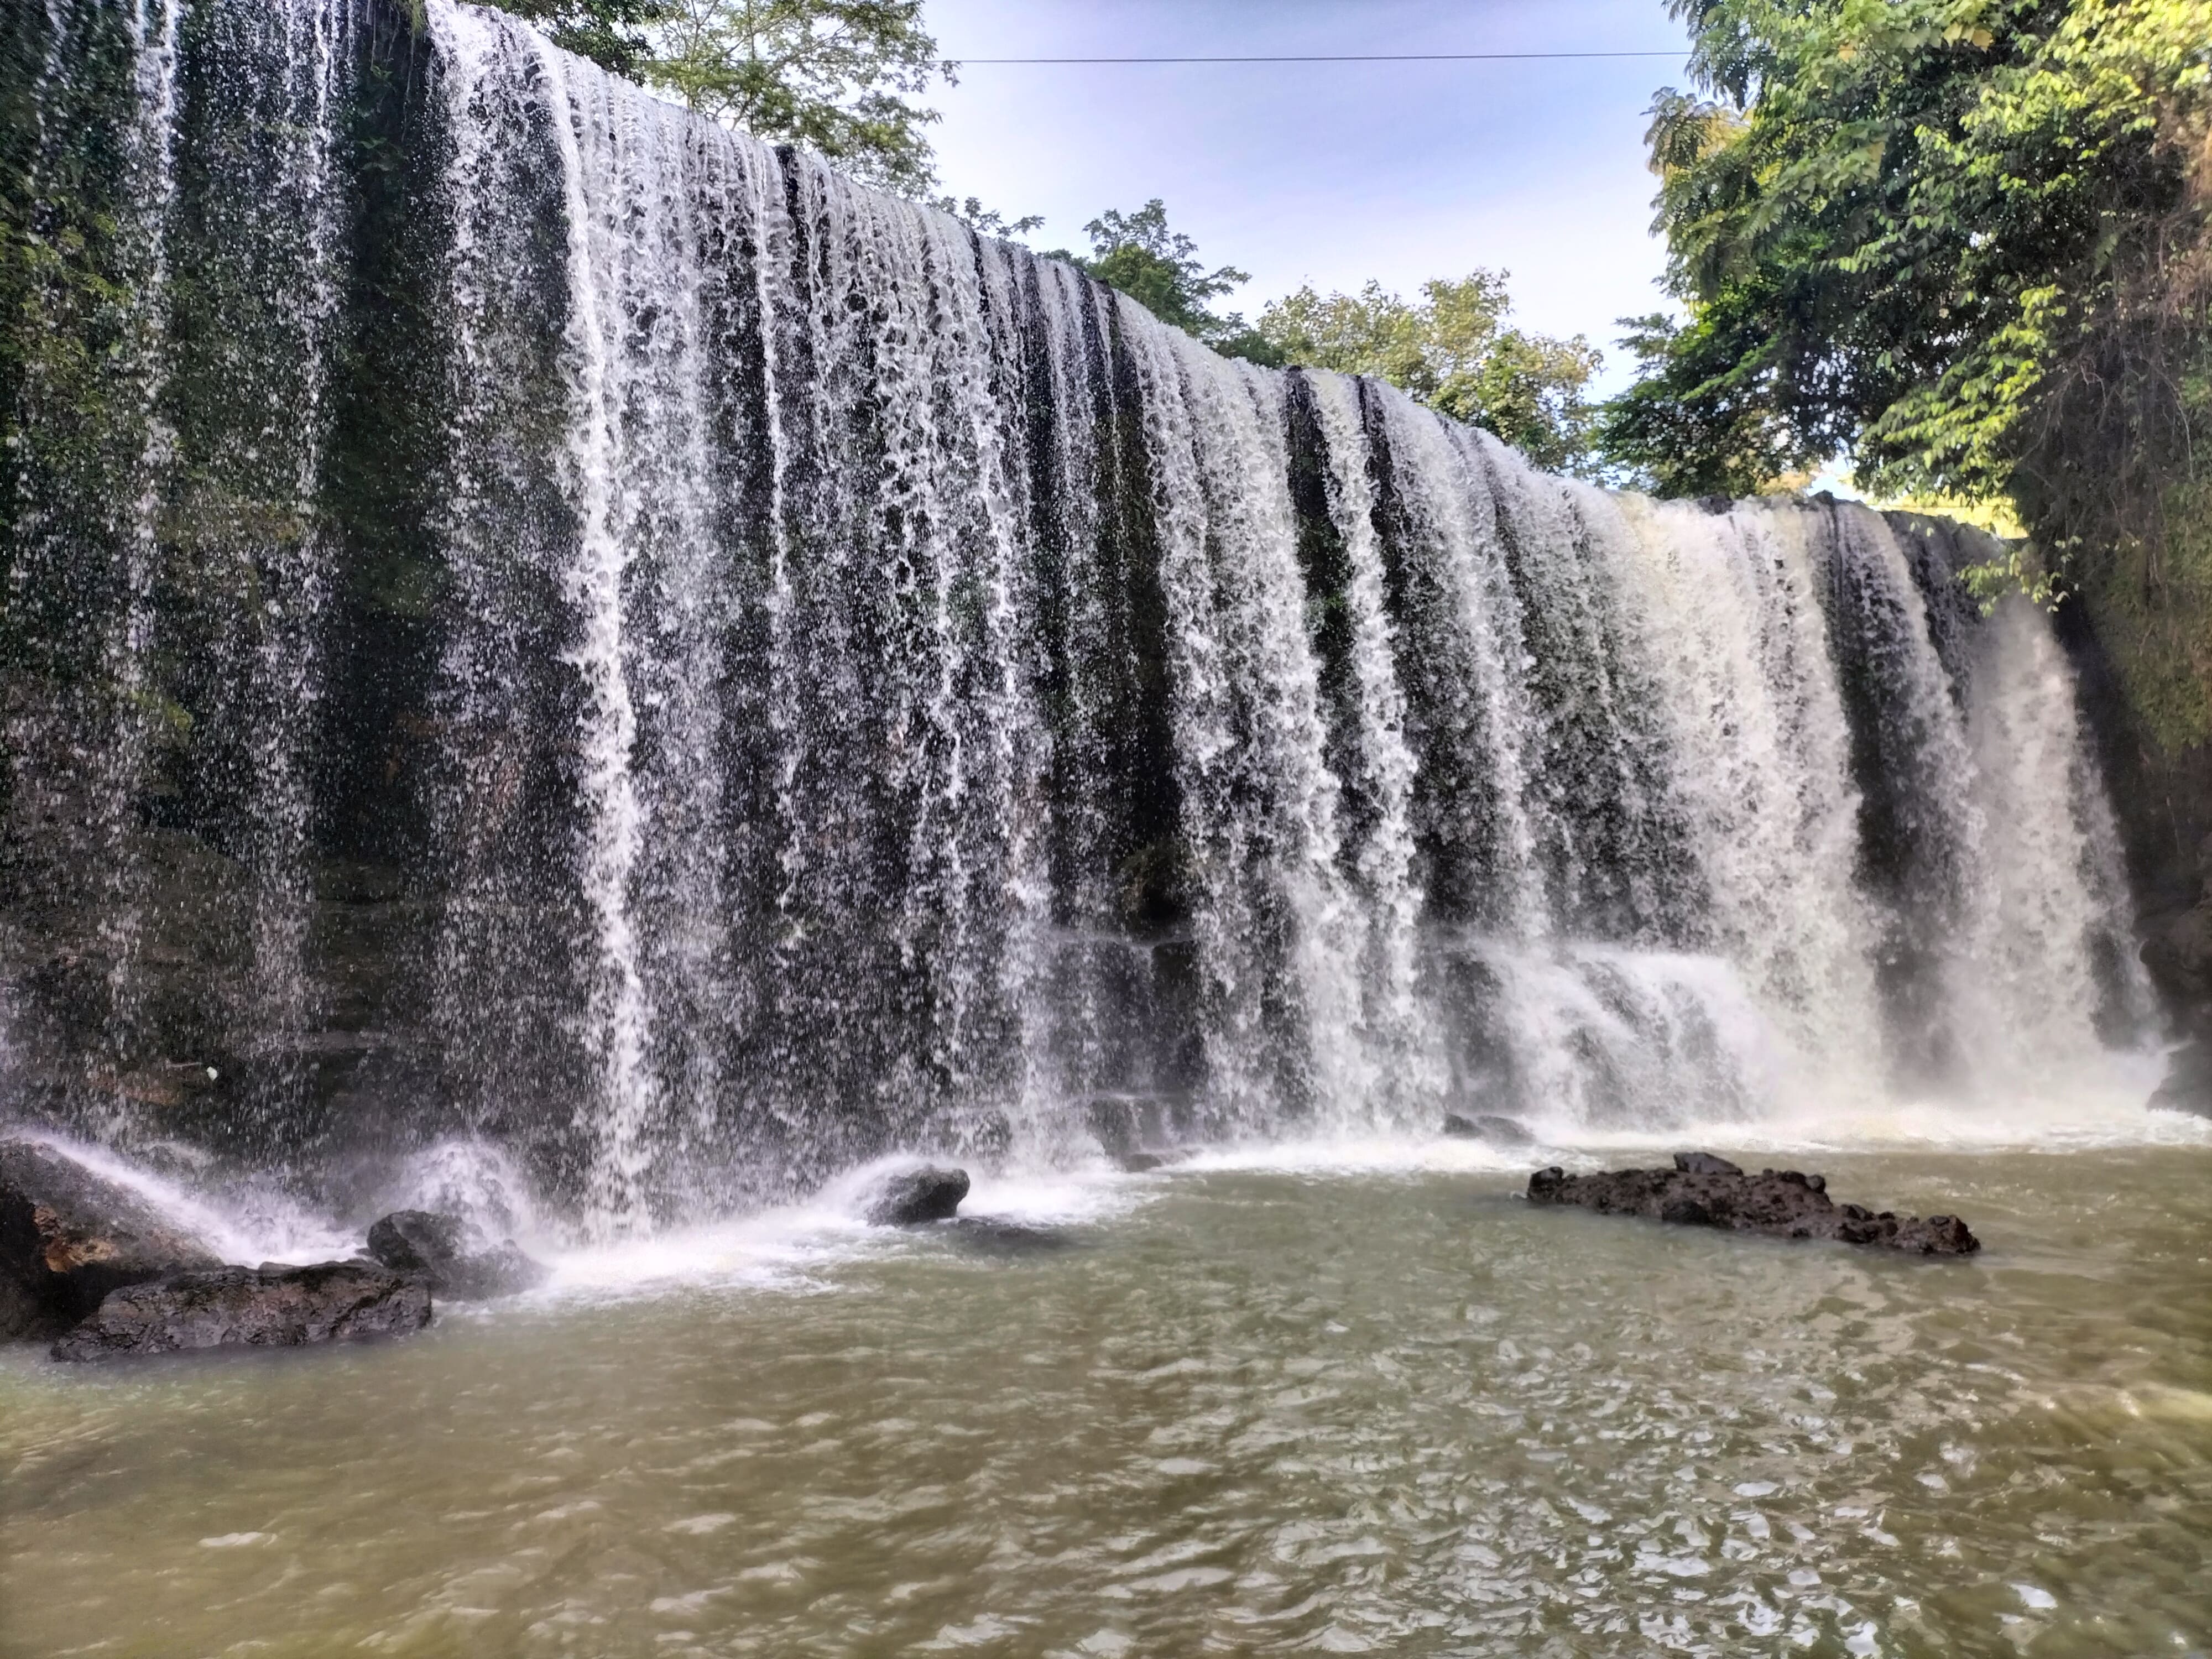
86	1259
272	1306
1702	1190
69	1237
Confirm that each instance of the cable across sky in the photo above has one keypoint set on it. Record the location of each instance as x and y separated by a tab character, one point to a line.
1335	58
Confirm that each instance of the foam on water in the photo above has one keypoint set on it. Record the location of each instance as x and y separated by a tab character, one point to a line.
790	1247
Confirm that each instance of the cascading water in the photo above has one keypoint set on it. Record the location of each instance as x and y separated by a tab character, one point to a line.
643	651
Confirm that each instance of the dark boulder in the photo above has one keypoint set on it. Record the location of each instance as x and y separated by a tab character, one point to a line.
912	1198
1783	1203
1498	1131
452	1257
69	1237
271	1306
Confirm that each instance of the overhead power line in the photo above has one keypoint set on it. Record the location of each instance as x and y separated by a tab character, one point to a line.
1338	57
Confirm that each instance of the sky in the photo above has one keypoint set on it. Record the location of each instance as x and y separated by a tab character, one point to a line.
1331	173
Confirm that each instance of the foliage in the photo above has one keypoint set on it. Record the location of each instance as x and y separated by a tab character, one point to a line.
1892	224
1159	268
1452	350
839	76
1966	243
988	221
612	34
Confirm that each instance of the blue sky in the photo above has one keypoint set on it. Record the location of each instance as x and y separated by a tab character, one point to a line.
1331	173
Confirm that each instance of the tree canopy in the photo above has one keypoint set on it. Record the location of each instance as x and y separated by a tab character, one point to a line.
839	77
843	77
1451	349
612	34
1896	227
1160	268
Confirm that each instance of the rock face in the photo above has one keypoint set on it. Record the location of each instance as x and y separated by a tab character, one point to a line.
2177	953
1704	1191
69	1237
266	1307
910	1198
451	1257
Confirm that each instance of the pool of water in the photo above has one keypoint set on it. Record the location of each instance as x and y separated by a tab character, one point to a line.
1282	1403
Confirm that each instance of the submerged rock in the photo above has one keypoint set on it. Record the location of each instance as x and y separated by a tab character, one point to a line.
68	1237
1498	1131
452	1257
1002	1237
910	1198
1782	1203
270	1306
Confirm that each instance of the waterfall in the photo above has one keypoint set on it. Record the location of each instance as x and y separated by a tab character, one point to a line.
589	631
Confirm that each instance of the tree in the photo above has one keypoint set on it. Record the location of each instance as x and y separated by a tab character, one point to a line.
839	76
988	221
1893	225
612	34
1452	350
1159	268
1968	245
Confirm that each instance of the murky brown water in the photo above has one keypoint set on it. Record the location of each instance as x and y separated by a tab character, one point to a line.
1255	1412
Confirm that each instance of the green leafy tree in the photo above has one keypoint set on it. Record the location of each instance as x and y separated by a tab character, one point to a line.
1964	244
990	220
839	77
1453	350
1891	224
1159	268
613	34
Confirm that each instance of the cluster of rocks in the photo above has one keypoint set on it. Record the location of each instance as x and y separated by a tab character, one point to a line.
1702	1190
92	1266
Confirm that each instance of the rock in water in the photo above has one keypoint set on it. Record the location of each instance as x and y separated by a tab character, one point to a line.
453	1256
69	1237
909	1198
271	1306
999	1237
1704	1191
1498	1131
